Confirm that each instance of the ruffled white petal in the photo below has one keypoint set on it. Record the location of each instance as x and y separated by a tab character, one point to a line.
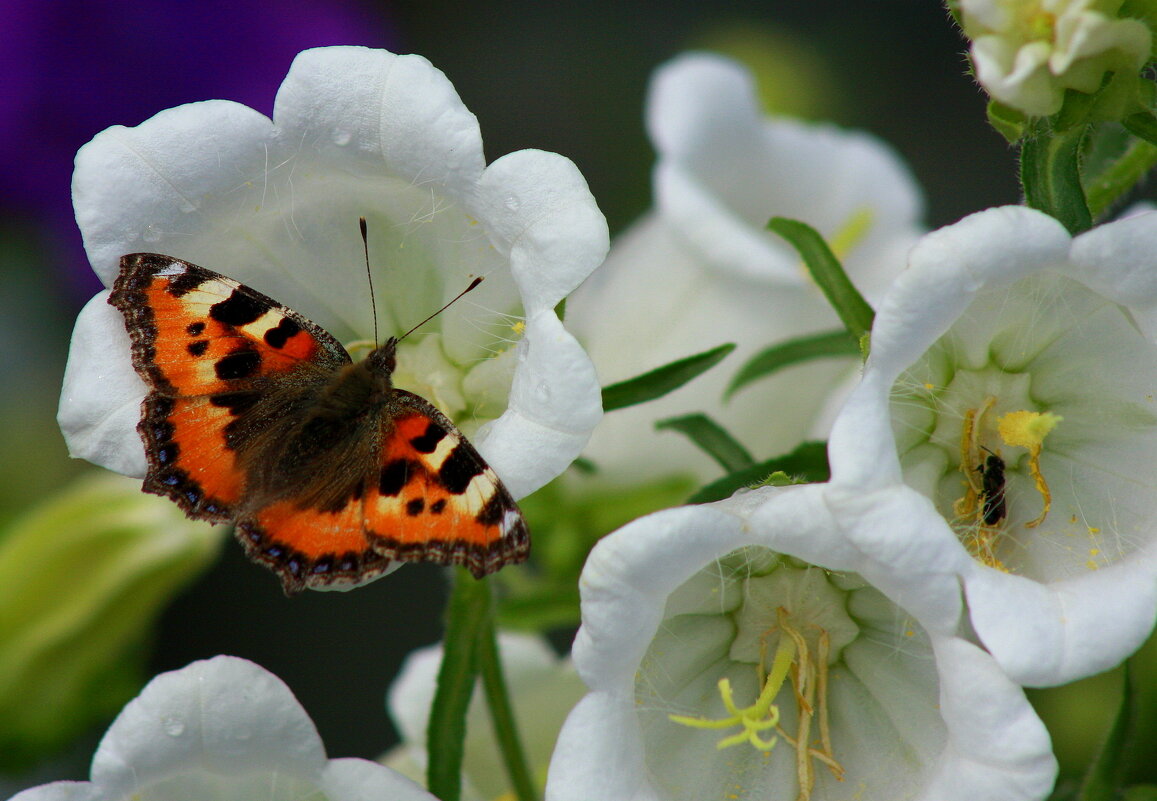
101	401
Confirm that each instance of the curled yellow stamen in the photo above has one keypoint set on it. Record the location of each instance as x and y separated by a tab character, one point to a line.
1028	430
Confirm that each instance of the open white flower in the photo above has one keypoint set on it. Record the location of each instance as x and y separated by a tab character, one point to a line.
1012	382
1027	52
227	729
718	640
701	270
275	204
543	688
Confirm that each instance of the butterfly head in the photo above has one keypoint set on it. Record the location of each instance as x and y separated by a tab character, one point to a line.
383	360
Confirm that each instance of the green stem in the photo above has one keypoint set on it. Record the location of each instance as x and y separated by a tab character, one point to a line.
502	714
1050	173
466	616
1121	176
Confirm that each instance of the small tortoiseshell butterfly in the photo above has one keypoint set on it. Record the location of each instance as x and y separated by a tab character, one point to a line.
257	416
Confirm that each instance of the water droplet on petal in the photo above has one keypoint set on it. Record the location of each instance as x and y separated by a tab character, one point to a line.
542	392
173	726
341	137
511	202
151	233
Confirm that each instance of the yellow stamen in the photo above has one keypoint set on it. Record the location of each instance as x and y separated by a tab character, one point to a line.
1028	430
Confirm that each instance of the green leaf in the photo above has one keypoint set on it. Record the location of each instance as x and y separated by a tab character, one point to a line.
1140	792
466	616
659	382
711	438
808	462
1051	177
1008	121
1143	125
793	351
828	273
1106	775
1120	176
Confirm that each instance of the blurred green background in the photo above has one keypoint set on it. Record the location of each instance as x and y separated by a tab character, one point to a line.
565	77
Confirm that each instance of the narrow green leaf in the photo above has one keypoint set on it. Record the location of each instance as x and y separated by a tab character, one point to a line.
466	615
502	715
793	351
1051	177
1142	125
1121	176
1106	774
828	273
660	381
808	462
711	438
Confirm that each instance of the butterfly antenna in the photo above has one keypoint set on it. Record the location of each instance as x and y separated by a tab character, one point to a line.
454	300
369	275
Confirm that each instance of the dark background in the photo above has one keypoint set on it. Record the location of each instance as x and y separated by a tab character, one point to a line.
564	77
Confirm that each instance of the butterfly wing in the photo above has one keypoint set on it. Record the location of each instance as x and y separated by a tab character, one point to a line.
434	499
208	348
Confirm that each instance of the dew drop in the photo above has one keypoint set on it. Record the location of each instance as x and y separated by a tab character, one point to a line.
151	233
341	137
542	392
511	202
174	726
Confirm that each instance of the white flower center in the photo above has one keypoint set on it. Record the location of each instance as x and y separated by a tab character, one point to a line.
777	679
1032	425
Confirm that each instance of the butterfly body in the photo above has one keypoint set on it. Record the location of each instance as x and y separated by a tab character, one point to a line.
257	416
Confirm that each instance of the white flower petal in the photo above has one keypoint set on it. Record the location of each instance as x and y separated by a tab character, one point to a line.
544	219
363	780
136	188
101	401
554	404
374	113
60	791
225	716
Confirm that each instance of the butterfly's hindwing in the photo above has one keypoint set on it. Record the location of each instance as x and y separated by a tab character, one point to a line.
435	499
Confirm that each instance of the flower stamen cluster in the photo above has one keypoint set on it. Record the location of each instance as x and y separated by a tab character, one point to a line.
793	660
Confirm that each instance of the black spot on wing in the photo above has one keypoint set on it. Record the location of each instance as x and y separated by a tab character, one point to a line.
459	469
198	348
394	476
195	329
183	283
277	336
238	309
428	441
238	364
415	507
495	509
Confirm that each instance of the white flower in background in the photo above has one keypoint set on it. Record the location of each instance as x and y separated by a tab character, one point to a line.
1013	382
227	729
701	270
748	649
543	688
1027	52
275	204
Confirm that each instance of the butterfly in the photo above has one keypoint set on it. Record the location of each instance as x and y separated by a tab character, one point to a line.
257	416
